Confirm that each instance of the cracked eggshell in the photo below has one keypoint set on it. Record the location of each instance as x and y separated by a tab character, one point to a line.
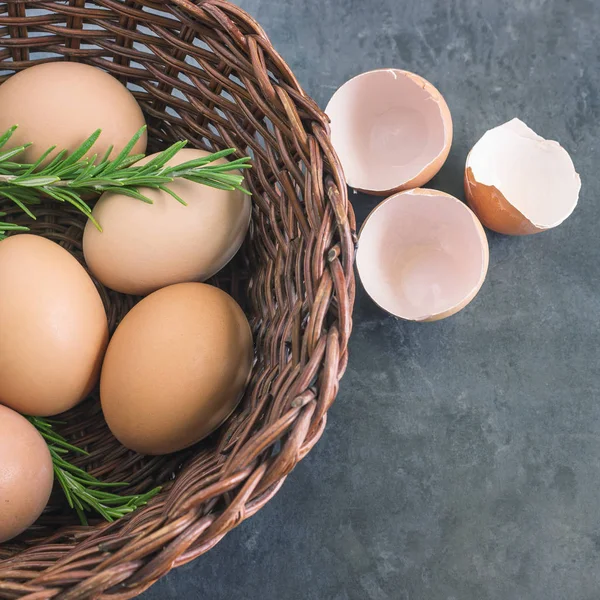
422	255
391	129
518	183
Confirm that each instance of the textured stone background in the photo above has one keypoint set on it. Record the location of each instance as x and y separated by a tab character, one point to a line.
462	459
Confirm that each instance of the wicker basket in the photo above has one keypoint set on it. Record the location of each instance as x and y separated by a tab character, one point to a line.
204	71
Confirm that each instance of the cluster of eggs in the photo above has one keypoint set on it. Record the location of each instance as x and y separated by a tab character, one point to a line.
178	362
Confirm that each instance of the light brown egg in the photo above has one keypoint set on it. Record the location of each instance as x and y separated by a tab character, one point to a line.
422	255
62	103
53	327
519	183
26	474
143	247
391	129
175	368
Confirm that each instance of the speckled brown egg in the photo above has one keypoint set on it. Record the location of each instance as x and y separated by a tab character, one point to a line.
62	103
176	368
143	247
53	327
26	475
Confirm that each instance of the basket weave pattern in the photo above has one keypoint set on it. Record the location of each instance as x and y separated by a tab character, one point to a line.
204	71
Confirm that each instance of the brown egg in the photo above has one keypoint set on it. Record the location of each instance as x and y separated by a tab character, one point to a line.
518	183
391	129
175	368
143	247
26	474
422	255
62	103
53	327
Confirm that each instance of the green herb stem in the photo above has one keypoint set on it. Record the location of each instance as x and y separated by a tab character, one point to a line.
69	178
84	493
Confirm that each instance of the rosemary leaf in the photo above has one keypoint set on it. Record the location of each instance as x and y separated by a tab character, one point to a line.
39	161
10	153
14	197
5	227
122	156
30	181
7	135
78	155
130	192
169	191
161	159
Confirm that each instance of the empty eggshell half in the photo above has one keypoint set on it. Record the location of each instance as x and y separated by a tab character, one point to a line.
391	129
422	255
519	183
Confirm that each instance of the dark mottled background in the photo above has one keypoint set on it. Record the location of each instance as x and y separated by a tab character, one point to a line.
462	459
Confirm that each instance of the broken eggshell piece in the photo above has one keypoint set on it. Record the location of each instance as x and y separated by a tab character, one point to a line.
518	183
391	129
422	255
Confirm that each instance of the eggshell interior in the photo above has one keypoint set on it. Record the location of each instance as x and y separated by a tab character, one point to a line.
535	176
422	255
391	129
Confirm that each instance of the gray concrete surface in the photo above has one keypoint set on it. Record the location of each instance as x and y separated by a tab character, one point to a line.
462	459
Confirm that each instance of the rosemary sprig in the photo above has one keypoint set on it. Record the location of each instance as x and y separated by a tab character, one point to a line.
72	177
83	491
